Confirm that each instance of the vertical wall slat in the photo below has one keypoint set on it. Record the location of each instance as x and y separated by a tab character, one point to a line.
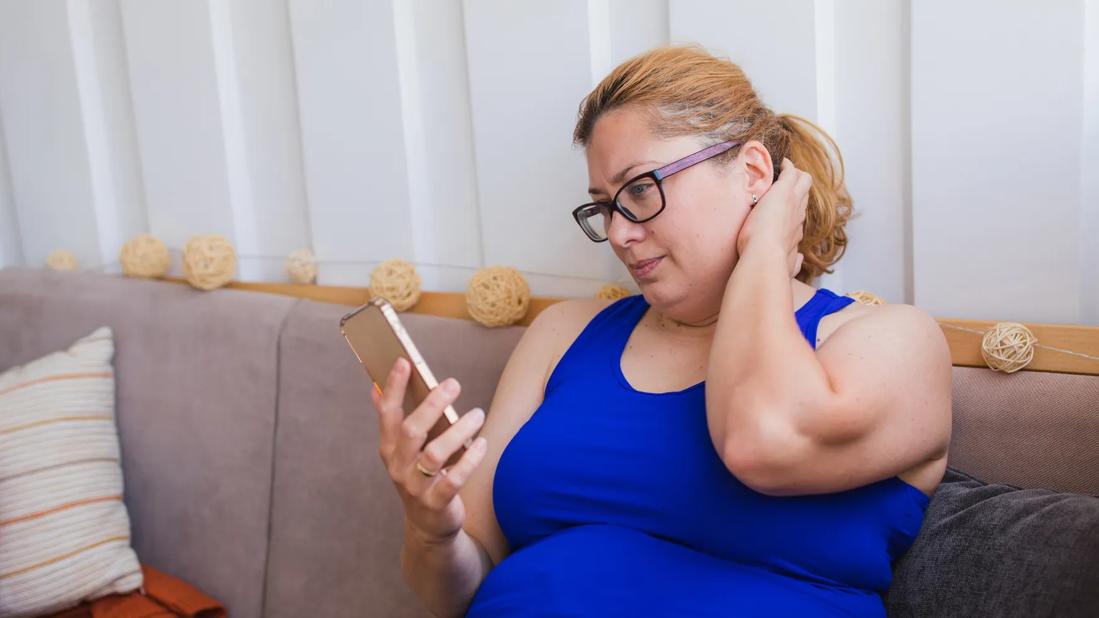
11	246
345	60
269	134
529	67
996	119
51	179
178	116
1089	164
438	132
872	128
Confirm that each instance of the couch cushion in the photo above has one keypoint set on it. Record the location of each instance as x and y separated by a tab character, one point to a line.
337	519
998	550
64	531
1030	429
196	386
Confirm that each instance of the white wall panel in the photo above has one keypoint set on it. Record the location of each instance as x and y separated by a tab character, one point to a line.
996	120
774	42
345	59
11	246
108	124
530	65
51	180
635	26
262	60
871	127
1089	171
179	118
439	131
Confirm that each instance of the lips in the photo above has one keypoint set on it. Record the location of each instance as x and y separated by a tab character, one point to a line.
644	266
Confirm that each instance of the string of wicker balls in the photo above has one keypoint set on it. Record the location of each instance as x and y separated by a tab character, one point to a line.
397	281
497	296
62	260
301	266
867	298
1008	347
209	261
144	256
612	291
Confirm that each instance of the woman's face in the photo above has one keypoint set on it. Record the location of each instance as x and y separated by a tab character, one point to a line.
695	235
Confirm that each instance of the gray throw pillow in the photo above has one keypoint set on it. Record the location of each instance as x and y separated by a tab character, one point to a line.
997	550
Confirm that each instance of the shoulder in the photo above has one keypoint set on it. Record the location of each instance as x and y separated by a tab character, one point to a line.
889	323
570	312
559	324
890	348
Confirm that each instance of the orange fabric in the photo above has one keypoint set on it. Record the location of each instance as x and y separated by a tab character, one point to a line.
132	605
179	596
164	597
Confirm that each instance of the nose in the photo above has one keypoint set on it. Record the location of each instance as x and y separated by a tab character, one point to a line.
622	231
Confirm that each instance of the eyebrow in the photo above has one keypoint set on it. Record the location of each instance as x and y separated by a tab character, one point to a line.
621	175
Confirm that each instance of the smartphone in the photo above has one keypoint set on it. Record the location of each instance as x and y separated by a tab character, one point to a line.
378	339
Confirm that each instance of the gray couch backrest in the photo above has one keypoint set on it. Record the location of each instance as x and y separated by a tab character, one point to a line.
250	443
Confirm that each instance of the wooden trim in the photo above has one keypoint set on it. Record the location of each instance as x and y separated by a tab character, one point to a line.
443	304
965	347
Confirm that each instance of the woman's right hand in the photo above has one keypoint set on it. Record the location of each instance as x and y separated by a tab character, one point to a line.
433	508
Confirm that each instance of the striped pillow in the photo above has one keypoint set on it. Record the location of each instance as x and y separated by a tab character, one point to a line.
64	530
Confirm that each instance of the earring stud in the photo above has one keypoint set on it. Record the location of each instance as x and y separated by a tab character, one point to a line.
754	199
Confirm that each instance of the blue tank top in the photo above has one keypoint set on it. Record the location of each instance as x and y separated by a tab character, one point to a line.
615	503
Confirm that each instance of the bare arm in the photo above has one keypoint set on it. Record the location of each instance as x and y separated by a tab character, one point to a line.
445	575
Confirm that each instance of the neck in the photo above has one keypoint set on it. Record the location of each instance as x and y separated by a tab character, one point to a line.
703	323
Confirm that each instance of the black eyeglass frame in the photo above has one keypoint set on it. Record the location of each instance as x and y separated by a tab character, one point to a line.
658	175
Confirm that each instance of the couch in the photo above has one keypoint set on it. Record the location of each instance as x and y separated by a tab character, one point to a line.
250	445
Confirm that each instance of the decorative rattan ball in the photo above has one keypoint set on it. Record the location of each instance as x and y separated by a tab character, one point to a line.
209	261
612	291
301	266
144	255
1008	347
867	298
62	260
497	296
398	282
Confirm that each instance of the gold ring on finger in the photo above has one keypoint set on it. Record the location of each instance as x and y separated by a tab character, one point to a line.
424	471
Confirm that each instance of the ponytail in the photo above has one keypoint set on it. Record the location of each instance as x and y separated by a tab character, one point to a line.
811	149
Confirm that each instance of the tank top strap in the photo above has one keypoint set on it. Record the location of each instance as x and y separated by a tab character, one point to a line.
609	328
823	302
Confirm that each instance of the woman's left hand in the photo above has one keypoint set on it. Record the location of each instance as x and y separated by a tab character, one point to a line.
779	216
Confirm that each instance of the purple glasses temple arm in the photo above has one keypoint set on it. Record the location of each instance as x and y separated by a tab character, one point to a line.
690	160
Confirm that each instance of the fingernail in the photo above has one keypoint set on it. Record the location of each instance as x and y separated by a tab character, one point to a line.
479	443
450	385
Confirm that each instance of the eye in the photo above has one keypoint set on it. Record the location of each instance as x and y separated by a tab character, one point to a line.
639	188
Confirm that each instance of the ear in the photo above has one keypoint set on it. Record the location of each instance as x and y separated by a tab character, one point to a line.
759	170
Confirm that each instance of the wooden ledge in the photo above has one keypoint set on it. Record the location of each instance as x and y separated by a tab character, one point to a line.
965	346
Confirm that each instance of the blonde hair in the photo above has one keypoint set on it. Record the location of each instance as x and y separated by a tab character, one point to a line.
687	91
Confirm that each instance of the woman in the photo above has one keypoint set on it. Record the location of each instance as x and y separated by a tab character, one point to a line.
730	442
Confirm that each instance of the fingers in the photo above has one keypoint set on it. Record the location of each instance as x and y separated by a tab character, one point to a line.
448	483
414	428
439	450
389	403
